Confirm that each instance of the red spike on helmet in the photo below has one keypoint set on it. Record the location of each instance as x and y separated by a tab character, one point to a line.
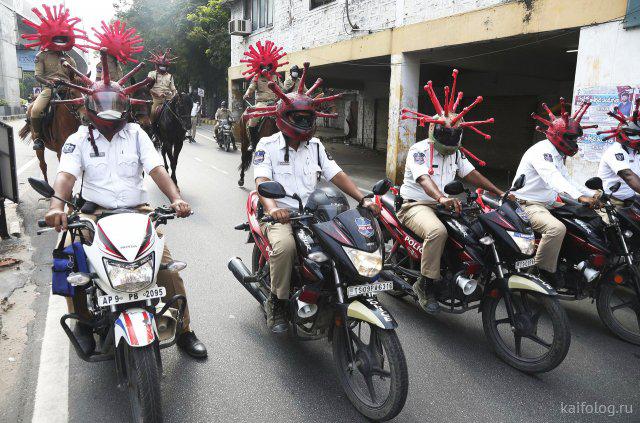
56	32
447	117
295	102
263	60
162	59
563	131
628	130
121	42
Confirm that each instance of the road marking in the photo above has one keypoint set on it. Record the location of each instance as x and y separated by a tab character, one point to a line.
198	159
204	136
26	166
52	392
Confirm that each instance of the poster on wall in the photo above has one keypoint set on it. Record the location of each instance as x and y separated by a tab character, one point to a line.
603	99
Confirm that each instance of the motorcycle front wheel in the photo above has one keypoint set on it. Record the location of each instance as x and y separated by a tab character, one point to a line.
143	387
619	309
538	338
377	381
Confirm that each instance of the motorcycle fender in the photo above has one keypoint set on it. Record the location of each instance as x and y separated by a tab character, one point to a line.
136	326
371	311
530	283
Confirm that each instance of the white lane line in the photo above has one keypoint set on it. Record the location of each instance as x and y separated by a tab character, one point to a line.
198	159
52	393
204	136
26	166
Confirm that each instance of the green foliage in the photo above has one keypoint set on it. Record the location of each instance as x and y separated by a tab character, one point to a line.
27	83
3	102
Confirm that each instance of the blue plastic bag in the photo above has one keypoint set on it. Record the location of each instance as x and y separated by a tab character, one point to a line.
65	261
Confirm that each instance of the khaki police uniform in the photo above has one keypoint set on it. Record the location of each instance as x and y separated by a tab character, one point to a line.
114	179
298	176
48	66
163	85
417	212
263	94
546	176
115	69
221	114
292	85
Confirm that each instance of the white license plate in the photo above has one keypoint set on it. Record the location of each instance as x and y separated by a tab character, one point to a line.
112	299
354	291
525	263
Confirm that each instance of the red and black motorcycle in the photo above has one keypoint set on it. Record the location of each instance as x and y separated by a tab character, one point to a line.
333	287
481	268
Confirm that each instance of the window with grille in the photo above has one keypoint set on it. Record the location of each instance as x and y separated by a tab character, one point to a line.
317	3
260	12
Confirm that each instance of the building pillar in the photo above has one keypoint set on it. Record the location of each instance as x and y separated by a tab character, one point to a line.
403	93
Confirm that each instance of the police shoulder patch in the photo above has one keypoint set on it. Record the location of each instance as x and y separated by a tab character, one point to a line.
329	156
619	156
418	157
548	157
258	157
68	148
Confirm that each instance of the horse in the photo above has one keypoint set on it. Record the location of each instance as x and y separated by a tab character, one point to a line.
266	127
60	121
141	113
172	125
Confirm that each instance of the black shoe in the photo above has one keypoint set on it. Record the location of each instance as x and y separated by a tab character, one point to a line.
276	314
555	279
189	343
38	144
84	336
426	298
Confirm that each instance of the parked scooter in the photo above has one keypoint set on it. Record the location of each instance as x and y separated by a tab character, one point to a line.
481	268
123	252
333	289
224	135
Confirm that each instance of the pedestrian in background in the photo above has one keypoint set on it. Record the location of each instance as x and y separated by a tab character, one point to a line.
194	120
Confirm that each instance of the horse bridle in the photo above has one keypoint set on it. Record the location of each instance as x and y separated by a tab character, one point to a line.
180	119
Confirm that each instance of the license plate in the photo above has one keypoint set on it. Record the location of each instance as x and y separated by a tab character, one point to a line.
113	299
525	263
355	291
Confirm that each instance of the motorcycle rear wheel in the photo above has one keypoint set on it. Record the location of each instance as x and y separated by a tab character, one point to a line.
370	362
524	303
143	385
614	321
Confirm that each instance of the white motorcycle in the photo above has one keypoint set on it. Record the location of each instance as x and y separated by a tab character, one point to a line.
123	253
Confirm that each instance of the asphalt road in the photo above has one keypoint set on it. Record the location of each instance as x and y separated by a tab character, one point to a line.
251	376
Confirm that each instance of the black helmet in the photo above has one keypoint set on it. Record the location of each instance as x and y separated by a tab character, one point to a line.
294	69
326	203
223	104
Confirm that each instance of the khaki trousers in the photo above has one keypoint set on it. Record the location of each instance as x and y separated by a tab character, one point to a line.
283	256
422	219
194	121
171	281
552	231
254	121
41	103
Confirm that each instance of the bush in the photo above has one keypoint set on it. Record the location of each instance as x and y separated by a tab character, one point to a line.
3	102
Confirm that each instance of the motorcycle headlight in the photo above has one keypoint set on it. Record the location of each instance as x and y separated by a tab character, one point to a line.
130	277
367	264
525	242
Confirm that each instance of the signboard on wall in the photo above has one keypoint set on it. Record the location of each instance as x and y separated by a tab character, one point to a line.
603	99
27	59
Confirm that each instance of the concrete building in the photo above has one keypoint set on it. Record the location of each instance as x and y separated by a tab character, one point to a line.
516	54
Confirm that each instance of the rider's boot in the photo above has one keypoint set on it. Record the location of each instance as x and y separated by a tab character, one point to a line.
253	137
276	309
36	126
84	336
556	279
189	343
424	289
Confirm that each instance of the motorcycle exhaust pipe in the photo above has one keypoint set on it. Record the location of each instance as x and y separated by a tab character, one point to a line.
588	273
306	310
244	276
466	284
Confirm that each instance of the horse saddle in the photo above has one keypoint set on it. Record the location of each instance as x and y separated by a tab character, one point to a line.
50	112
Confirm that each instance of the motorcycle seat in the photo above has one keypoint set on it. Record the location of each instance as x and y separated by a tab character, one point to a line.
108	213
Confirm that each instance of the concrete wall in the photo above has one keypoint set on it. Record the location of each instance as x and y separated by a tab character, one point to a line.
9	72
606	57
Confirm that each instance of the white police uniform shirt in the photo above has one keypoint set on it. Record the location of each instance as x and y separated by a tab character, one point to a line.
113	179
616	158
445	169
300	174
545	175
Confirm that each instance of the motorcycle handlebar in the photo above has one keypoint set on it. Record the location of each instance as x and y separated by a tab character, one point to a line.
294	215
42	224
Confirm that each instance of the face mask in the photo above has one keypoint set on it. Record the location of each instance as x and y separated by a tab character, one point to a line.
294	74
110	115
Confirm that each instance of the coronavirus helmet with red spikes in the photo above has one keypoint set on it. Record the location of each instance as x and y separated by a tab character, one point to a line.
162	60
446	127
295	112
263	59
627	132
56	32
563	131
121	42
106	102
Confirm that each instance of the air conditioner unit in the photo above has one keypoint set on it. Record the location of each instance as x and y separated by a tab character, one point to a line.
240	27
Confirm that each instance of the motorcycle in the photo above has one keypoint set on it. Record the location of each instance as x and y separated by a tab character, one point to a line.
224	136
132	325
482	268
334	283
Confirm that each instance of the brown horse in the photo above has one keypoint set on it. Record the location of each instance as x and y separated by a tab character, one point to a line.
266	127
60	122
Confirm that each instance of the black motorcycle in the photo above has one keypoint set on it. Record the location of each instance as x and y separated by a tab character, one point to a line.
224	135
333	287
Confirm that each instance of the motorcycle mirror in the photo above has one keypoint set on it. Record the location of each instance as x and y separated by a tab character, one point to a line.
615	187
594	183
454	188
271	189
42	187
382	186
518	183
